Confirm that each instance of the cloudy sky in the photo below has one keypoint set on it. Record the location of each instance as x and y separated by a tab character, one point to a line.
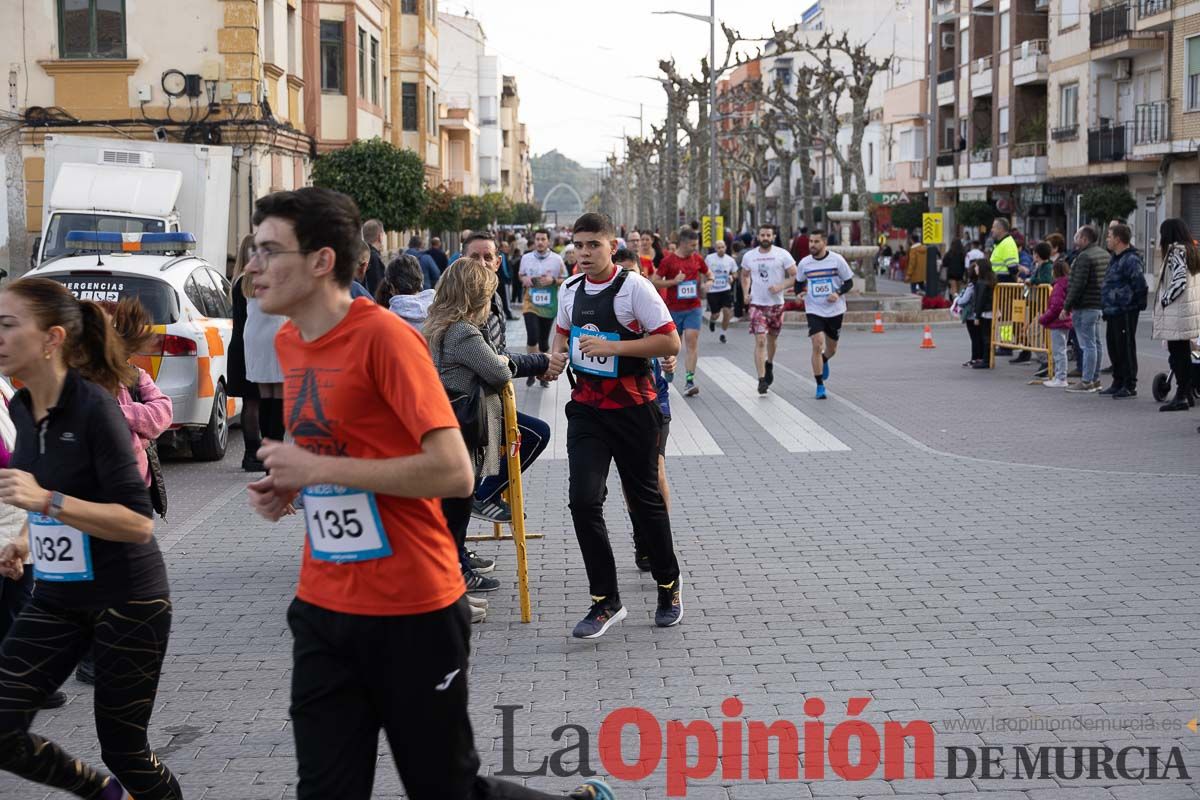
578	70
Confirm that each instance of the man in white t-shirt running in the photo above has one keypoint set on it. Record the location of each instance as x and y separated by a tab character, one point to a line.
542	271
826	277
720	292
766	272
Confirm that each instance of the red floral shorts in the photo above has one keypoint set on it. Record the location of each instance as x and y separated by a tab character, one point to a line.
766	319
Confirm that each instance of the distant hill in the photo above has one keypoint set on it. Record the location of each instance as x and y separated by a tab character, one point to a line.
553	168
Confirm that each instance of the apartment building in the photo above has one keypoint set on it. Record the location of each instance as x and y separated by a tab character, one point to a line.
347	43
414	82
229	72
470	88
516	170
992	73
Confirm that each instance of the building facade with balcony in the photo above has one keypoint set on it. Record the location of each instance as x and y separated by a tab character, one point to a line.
470	79
516	170
992	71
347	46
228	72
414	82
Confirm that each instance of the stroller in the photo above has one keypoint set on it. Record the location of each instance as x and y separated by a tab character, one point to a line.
1162	381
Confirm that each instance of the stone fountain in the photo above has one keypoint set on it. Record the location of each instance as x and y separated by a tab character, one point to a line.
905	304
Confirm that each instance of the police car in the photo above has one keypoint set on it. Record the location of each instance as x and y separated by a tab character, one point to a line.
188	301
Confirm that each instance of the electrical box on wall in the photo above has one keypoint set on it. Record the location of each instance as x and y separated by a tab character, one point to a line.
144	94
192	86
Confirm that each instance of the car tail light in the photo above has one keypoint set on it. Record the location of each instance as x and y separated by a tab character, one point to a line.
178	345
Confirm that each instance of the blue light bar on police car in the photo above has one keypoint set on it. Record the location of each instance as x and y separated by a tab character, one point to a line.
111	242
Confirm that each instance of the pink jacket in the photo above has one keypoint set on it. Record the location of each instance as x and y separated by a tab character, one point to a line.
1055	306
147	419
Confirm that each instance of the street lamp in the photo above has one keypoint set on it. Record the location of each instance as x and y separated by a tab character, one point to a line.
711	19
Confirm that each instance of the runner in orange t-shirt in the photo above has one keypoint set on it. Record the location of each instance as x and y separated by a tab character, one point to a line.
380	620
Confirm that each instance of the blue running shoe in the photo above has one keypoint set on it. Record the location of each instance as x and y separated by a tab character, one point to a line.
593	789
825	371
820	392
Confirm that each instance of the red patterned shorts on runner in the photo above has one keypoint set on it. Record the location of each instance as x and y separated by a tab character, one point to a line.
766	319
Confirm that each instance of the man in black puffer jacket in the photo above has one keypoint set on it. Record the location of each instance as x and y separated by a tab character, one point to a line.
1123	298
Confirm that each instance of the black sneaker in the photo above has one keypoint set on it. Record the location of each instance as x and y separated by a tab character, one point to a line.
641	560
670	605
722	338
478	583
252	464
770	376
1125	392
491	511
1116	387
762	385
86	671
593	789
479	563
54	700
602	616
712	326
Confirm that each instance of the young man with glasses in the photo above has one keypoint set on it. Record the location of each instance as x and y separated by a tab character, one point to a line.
381	623
612	322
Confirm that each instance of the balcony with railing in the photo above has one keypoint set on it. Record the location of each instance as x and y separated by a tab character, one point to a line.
1029	158
1065	133
1031	62
1152	128
981	161
945	86
945	166
1114	34
1152	14
981	77
1112	143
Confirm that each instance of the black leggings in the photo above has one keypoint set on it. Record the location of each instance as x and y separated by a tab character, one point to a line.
537	331
270	418
129	642
1180	351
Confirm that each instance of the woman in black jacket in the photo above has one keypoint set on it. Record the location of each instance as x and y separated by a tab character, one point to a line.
955	263
985	286
100	578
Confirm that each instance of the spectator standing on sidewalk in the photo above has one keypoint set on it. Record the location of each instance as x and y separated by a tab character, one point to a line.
429	267
1083	304
985	287
372	234
1060	327
915	269
1123	298
1177	306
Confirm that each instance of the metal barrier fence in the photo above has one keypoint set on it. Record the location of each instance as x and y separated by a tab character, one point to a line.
1015	311
515	498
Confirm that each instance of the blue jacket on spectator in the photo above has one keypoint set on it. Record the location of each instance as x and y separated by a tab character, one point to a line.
429	267
1124	286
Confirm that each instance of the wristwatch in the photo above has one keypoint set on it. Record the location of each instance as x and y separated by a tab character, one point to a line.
57	499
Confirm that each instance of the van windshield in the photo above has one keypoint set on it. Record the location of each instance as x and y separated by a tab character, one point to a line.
62	224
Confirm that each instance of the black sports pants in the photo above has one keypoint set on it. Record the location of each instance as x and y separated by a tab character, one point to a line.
628	436
354	675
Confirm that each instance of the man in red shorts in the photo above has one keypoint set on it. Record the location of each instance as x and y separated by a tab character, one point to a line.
767	271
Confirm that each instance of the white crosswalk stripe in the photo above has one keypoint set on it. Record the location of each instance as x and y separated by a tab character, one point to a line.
794	430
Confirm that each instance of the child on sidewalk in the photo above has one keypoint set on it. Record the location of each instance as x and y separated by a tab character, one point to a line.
1060	329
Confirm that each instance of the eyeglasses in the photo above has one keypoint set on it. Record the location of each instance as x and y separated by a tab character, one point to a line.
265	256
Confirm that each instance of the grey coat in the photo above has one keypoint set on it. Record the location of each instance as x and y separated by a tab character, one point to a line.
463	356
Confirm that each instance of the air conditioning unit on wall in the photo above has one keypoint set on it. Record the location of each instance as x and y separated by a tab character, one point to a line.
947	40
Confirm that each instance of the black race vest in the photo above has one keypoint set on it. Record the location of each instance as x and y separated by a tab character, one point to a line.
600	310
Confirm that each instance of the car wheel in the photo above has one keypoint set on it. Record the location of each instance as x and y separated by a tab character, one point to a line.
211	444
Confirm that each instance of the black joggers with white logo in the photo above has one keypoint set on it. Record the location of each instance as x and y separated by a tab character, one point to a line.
628	436
354	675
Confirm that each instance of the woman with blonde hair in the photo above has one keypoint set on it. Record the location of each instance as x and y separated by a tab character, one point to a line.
473	374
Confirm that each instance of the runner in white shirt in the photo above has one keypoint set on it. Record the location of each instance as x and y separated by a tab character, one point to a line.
766	271
720	292
826	277
542	271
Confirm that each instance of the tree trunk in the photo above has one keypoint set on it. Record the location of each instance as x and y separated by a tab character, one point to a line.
693	193
702	180
806	198
786	212
867	226
671	198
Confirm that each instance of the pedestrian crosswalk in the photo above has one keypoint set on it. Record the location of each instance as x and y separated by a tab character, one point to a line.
728	387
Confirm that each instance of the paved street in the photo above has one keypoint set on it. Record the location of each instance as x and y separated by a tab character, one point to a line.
954	545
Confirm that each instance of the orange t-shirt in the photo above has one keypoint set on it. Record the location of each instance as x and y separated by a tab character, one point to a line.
368	389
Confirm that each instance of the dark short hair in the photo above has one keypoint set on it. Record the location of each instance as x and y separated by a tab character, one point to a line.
542	230
771	228
738	245
320	218
1042	250
689	234
1089	234
478	236
624	254
818	232
595	222
1122	232
403	276
414	241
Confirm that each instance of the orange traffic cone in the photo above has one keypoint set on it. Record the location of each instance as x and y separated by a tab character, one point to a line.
878	323
927	342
